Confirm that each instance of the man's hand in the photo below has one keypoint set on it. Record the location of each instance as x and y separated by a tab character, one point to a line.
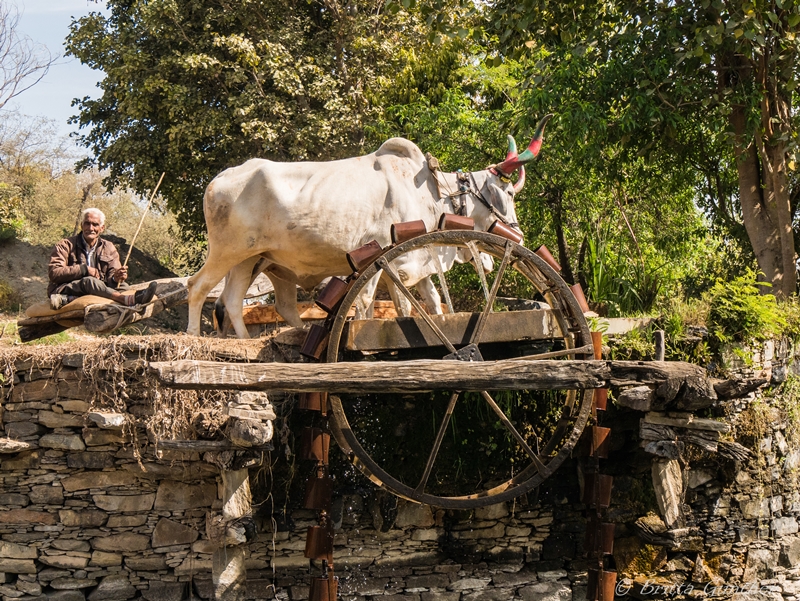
121	274
95	273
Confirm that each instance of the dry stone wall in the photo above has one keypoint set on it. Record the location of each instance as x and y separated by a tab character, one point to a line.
87	512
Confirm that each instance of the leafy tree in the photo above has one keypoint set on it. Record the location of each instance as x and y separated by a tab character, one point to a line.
194	87
707	83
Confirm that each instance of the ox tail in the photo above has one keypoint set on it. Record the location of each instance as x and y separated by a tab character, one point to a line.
219	314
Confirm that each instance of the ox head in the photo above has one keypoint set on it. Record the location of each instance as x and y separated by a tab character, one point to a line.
496	188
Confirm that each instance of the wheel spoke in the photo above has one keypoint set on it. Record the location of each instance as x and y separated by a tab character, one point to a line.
388	270
582	350
442	281
438	442
476	334
476	261
510	427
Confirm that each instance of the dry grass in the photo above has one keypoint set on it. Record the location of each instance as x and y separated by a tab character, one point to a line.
115	370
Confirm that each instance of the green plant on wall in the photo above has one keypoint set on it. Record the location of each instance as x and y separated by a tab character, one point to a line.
739	312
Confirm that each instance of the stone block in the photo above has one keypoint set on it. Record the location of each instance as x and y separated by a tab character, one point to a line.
761	563
754	508
126	521
34	589
469	584
191	565
428	581
124	502
46	494
73	595
40	390
17	566
496	531
427	534
23	430
168	533
167	591
152	563
68	584
27	516
98	480
115	587
107	420
66	562
546	591
62	442
125	541
95	437
74	360
49	419
14	551
48	574
91	518
668	485
74	390
487	595
90	460
177	496
492	512
440	596
180	471
514	579
23	461
74	406
790	553
13	499
105	560
784	526
413	515
70	544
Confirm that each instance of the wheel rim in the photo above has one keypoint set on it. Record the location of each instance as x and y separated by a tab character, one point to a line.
554	446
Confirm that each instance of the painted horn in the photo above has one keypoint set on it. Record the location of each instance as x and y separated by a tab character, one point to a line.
512	149
520	180
527	155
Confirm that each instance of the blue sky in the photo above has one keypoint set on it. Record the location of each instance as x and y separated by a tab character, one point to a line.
47	22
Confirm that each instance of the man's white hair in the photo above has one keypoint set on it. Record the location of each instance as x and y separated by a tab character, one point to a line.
93	211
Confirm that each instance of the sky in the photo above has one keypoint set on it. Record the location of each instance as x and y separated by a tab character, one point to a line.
47	22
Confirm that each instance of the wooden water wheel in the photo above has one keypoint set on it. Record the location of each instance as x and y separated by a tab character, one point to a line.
531	431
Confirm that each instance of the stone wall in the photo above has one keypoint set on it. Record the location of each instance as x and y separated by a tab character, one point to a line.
84	516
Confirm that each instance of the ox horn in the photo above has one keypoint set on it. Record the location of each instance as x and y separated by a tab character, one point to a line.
512	149
520	180
509	166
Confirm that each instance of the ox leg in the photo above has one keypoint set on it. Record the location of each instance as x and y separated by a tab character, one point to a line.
286	300
401	304
430	296
235	290
200	284
365	301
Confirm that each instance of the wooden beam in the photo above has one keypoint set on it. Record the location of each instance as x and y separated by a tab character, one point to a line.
413	332
107	318
410	376
228	572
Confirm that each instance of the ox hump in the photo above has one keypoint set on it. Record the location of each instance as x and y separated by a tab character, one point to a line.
401	147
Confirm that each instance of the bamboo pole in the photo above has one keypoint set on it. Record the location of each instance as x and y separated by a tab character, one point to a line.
141	221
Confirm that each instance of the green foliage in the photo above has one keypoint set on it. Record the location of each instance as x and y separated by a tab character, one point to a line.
11	221
191	88
739	311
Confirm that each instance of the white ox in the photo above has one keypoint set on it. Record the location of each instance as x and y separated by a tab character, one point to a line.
304	217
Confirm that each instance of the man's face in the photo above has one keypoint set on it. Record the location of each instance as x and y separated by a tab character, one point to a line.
92	228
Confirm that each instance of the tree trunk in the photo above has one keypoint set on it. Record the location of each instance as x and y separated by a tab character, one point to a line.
764	195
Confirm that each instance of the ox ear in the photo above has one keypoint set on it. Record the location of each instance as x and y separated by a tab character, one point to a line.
499	198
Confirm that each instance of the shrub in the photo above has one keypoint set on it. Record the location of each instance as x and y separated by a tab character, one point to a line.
739	311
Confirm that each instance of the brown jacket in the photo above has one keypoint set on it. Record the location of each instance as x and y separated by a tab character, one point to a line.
68	262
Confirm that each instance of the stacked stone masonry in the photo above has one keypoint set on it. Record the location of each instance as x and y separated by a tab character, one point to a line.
83	517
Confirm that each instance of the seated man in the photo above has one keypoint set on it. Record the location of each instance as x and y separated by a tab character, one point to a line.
87	264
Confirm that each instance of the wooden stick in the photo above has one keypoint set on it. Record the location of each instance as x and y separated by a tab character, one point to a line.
141	221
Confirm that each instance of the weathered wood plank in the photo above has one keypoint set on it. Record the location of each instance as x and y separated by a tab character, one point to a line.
409	376
107	318
412	332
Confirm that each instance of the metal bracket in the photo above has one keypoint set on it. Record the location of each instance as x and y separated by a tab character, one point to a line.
467	353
